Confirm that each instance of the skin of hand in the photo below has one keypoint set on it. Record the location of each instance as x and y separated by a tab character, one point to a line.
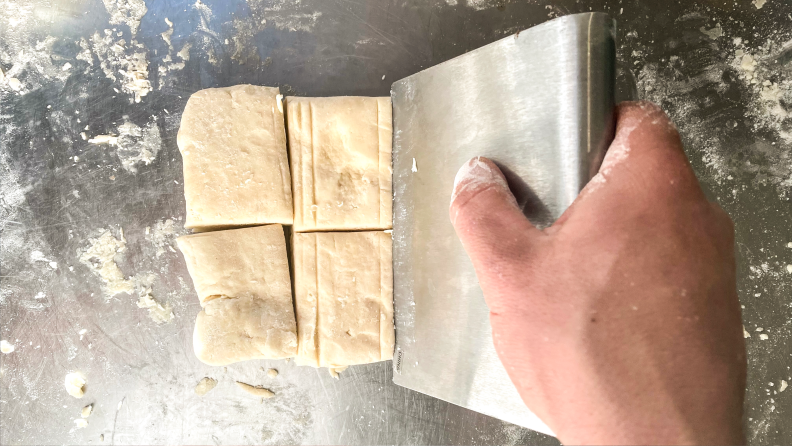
620	323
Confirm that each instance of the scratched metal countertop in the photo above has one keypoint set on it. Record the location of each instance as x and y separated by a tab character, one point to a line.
57	191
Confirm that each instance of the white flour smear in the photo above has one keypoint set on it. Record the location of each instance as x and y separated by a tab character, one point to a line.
100	257
32	65
136	145
158	312
12	240
289	15
11	194
480	5
162	236
292	15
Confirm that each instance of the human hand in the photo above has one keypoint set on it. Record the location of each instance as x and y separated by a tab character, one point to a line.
620	323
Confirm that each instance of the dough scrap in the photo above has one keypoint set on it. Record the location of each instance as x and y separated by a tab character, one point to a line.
242	280
75	384
341	162
6	347
236	169
336	372
257	391
344	298
205	385
86	411
272	373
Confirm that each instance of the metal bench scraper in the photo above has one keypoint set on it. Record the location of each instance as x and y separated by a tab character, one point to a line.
540	104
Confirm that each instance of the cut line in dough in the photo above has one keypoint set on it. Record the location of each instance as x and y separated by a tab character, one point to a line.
343	297
340	151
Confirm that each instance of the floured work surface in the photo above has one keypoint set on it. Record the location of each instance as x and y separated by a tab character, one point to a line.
341	162
344	298
242	279
236	170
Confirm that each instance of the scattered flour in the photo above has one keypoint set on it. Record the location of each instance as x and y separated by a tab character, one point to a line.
134	144
769	84
166	36
124	63
38	256
292	15
480	5
714	32
99	256
32	66
128	12
289	15
137	144
157	312
205	38
162	236
766	87
168	63
12	196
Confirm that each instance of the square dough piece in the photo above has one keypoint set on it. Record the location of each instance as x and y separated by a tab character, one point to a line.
242	280
343	285
341	162
236	168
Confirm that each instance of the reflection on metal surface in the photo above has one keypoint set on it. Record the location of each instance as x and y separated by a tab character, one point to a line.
540	104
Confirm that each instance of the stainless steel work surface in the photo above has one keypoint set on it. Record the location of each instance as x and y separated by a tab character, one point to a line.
681	54
485	103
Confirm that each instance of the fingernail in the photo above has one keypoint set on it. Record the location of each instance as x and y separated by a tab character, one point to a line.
475	175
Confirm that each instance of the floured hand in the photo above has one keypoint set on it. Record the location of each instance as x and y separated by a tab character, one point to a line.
620	323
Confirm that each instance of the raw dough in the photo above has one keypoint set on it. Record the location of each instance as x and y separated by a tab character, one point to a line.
242	280
236	169
6	347
86	411
75	384
272	373
335	372
343	285
341	162
258	391
205	385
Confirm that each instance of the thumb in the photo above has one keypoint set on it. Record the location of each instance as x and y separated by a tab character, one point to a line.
492	229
